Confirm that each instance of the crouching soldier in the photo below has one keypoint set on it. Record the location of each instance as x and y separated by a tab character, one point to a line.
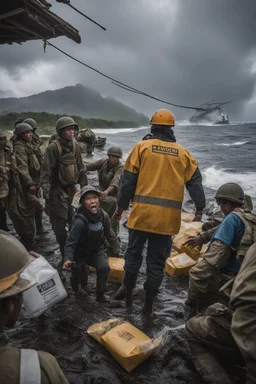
19	365
85	243
219	264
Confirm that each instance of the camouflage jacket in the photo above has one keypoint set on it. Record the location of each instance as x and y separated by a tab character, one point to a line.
107	176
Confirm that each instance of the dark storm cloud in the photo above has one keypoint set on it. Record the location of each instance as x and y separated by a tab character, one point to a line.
180	50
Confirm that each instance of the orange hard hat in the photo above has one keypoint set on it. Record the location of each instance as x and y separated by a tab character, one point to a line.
163	117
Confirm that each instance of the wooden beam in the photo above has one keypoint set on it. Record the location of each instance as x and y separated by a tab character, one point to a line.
12	13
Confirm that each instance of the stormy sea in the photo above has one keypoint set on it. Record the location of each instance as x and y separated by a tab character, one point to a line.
224	154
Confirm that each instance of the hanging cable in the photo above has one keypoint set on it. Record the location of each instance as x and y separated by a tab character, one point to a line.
119	83
67	2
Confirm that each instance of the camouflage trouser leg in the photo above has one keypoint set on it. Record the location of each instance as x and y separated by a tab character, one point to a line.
25	228
244	333
212	345
60	211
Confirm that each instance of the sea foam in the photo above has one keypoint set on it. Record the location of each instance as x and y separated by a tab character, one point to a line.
213	178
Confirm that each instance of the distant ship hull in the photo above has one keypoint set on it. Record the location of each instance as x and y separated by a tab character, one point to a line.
222	122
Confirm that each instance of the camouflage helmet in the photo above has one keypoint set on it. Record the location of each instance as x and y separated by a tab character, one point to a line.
31	122
231	192
115	151
64	122
21	128
86	189
14	259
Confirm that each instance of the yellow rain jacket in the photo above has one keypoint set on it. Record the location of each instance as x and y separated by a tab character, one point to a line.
158	170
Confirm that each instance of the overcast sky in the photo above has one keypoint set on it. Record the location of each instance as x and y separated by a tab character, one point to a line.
184	51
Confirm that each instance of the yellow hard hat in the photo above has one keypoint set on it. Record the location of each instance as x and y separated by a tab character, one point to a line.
163	117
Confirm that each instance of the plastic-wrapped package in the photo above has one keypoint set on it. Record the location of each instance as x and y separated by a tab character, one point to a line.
47	292
179	265
126	343
116	273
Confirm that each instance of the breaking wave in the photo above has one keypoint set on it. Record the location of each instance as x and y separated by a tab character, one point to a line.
213	178
233	144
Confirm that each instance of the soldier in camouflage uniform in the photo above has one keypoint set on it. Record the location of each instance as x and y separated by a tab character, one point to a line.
219	263
62	169
36	143
216	336
23	217
109	172
7	160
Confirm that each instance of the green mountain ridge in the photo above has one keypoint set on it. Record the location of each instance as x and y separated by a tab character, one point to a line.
75	100
46	122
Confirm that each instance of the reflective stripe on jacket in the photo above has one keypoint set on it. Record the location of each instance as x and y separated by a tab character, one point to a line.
159	169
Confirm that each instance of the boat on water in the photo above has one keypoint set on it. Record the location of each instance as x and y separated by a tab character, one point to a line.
210	112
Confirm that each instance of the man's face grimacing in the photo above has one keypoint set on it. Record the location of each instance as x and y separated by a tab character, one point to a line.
91	202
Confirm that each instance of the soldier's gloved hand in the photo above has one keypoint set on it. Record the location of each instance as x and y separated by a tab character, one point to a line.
117	215
194	241
67	264
198	216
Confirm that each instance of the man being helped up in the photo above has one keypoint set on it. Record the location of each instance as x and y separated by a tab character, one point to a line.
85	243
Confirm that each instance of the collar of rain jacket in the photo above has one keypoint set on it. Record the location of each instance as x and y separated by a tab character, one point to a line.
163	133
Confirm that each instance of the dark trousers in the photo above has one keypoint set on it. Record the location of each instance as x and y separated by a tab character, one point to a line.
158	250
97	260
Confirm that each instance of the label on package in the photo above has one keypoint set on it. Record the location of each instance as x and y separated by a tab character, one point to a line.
48	290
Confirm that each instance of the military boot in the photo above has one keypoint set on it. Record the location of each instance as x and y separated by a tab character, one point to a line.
101	297
148	303
3	220
120	294
100	289
128	297
74	278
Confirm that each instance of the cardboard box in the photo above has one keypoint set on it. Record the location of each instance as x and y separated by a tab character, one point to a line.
116	273
179	265
49	290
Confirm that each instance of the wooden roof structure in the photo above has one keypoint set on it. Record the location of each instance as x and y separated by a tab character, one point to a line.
23	20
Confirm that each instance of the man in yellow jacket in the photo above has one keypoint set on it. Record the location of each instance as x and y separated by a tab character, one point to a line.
154	176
